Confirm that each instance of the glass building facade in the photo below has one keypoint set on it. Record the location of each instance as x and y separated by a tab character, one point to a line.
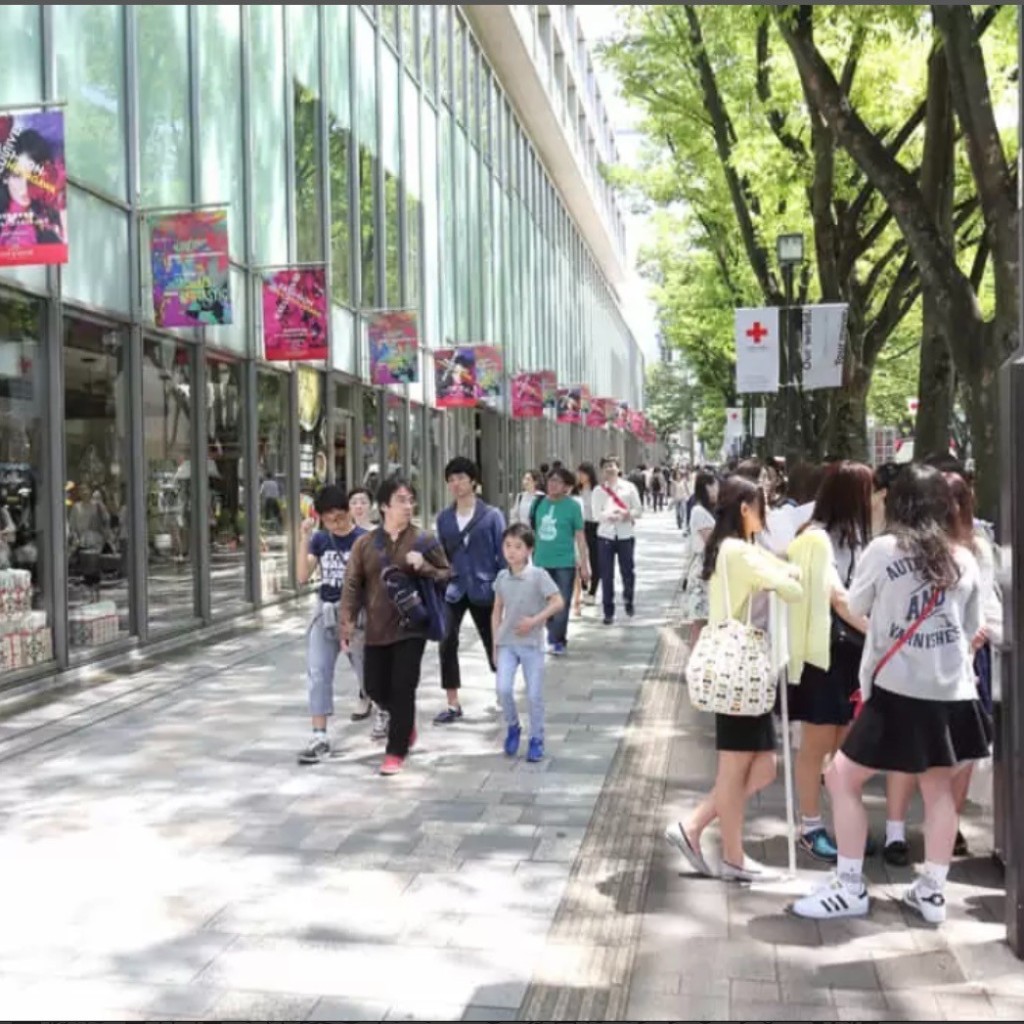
152	481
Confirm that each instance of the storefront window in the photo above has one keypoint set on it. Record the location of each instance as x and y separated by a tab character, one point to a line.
26	637
436	455
167	436
274	489
371	440
165	140
304	47
340	145
312	435
366	131
220	122
388	13
225	467
396	416
96	483
89	40
416	444
344	418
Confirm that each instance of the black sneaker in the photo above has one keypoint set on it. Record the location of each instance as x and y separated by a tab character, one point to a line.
448	716
630	611
318	749
609	621
897	854
960	847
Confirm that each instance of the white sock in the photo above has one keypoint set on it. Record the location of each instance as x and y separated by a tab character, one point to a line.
895	832
810	825
319	734
934	876
851	873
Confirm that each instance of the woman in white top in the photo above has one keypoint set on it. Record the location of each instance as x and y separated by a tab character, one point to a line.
532	489
702	522
921	716
680	496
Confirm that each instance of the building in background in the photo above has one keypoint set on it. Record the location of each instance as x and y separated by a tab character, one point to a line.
436	158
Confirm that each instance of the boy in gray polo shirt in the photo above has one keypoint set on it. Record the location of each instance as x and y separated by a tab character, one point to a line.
525	598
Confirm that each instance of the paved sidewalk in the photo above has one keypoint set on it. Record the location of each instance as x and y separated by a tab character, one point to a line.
165	857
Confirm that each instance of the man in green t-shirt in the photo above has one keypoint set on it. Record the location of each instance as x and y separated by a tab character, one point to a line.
561	548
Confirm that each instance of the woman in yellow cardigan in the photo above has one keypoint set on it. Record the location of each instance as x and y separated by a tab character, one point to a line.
736	566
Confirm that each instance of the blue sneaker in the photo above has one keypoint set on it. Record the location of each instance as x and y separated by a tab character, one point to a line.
558	650
515	734
820	846
536	751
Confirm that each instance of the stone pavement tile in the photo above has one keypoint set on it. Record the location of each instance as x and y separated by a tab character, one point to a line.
477	931
907	1004
917	971
426	1010
184	1001
645	1006
964	1005
993	965
489	1013
849	1002
730	958
174	962
263	1006
1007	1008
742	990
347	1009
740	1010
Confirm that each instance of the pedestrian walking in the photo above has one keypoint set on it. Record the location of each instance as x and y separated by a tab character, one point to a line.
360	503
617	508
526	597
532	490
586	486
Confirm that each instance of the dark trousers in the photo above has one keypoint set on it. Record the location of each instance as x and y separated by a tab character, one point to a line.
451	676
558	625
624	550
590	529
391	676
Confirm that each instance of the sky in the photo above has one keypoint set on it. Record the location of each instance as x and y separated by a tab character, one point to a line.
600	21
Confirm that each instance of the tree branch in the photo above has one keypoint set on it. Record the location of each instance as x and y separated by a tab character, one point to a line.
980	262
776	119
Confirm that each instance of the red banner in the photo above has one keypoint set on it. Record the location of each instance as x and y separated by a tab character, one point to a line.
455	378
528	396
295	315
569	405
549	381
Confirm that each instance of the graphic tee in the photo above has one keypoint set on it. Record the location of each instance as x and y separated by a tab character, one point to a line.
524	595
333	552
557	525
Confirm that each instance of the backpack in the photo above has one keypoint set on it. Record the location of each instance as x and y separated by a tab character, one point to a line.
419	601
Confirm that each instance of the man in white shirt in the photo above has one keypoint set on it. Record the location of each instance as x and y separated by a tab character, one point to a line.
616	507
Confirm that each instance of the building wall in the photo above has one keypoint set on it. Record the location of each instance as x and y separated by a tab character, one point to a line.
156	480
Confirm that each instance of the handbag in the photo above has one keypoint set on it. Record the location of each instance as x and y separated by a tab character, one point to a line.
730	669
843	634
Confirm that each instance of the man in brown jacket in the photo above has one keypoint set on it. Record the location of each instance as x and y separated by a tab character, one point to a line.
394	653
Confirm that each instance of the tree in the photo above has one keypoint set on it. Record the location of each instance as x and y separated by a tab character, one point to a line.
670	399
978	345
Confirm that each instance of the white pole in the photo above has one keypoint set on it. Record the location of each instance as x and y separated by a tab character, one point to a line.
787	768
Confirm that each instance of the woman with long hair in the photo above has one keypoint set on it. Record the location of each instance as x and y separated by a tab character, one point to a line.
826	640
702	522
921	715
586	483
532	490
739	573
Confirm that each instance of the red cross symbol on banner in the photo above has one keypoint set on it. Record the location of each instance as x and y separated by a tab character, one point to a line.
758	333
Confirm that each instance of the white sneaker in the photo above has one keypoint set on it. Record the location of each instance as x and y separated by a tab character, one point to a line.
677	836
832	902
381	721
589	599
316	750
926	901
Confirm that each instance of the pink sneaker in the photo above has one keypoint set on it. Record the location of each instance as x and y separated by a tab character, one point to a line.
392	765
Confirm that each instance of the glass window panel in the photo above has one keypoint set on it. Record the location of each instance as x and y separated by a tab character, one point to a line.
234	337
21	71
230	587
444	23
340	146
438	493
366	131
89	43
343	340
165	134
415	471
371	478
267	120
96	454
462	235
407	12
390	114
344	439
473	91
312	417
24	544
96	272
221	177
304	46
431	300
448	230
427	47
167	436
394	421
411	172
388	14
274	483
459	69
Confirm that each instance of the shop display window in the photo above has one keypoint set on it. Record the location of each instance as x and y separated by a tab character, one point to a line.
274	484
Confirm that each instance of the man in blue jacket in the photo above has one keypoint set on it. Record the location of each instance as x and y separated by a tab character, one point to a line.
471	532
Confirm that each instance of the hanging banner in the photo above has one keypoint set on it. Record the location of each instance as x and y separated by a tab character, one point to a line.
527	396
455	378
734	429
824	346
549	383
636	423
585	402
394	347
188	256
33	185
622	416
760	422
490	371
757	351
609	408
295	315
569	405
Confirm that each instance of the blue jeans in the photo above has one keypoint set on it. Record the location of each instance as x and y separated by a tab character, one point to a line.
323	647
532	661
558	625
608	551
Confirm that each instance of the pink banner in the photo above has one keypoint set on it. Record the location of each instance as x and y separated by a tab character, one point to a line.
549	382
295	315
455	378
394	347
569	405
527	396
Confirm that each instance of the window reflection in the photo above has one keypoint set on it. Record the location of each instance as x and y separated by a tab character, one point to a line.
344	415
371	441
273	492
312	436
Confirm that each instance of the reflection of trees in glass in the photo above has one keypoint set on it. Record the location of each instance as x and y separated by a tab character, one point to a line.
443	25
367	228
393	253
426	46
413	249
408	16
309	239
340	144
387	20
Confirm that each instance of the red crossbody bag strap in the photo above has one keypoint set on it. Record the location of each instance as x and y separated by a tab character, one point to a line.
618	501
918	622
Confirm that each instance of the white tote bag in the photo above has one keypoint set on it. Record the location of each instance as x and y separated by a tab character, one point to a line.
730	671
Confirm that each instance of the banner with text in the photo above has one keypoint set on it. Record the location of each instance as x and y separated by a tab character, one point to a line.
191	269
455	378
295	315
394	347
34	217
549	382
569	400
824	346
757	351
527	396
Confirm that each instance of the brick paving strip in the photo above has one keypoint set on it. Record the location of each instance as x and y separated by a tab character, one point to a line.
593	942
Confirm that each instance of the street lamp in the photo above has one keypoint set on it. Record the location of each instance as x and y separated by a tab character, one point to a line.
789	249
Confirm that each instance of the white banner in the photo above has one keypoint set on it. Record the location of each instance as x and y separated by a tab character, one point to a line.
757	351
824	346
734	429
760	422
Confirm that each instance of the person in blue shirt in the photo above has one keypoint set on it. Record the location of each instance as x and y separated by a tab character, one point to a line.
329	549
471	532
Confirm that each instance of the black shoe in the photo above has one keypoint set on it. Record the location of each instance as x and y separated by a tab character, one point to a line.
897	854
609	620
960	847
630	610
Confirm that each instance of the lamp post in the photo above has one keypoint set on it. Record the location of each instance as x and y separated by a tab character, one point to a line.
789	250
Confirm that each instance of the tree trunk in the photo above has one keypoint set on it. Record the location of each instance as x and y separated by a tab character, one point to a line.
848	436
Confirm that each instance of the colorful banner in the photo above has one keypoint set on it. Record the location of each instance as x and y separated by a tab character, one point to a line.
622	416
549	382
584	402
609	410
188	255
635	423
295	315
33	188
455	378
490	371
528	396
394	347
569	405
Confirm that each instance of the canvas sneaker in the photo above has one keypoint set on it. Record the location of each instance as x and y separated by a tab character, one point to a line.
392	765
832	901
316	750
512	740
381	722
818	843
927	901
